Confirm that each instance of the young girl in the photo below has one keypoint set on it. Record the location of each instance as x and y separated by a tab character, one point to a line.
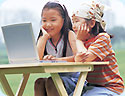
94	44
56	41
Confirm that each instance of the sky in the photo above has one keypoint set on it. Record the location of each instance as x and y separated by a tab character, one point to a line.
1	1
18	11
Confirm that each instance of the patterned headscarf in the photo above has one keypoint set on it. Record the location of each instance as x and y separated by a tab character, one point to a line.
91	10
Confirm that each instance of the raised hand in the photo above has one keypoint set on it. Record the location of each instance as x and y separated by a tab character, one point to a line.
45	33
83	32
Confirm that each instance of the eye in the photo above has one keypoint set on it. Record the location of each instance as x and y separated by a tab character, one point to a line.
43	20
53	20
76	21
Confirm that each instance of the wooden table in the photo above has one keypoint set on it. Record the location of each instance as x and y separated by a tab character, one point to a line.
52	68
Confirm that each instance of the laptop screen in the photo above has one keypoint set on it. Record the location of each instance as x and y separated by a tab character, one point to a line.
20	43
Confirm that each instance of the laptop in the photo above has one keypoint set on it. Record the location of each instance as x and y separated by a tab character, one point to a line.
20	43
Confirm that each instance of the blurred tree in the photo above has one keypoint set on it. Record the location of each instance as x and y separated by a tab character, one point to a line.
118	32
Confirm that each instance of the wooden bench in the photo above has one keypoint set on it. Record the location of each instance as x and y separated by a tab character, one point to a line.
52	68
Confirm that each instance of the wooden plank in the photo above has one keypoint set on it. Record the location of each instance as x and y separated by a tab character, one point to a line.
46	69
4	66
22	85
21	70
56	69
80	84
6	85
59	84
73	63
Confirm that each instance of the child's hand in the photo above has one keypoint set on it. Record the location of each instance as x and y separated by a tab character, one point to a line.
48	57
45	33
81	57
83	32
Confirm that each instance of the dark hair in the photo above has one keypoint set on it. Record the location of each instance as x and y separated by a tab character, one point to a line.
98	29
67	25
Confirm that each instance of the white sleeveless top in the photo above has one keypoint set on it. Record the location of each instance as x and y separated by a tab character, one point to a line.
57	50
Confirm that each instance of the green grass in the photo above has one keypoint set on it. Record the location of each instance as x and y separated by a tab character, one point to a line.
14	80
3	56
120	55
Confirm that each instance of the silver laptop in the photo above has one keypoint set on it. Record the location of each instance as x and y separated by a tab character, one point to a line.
20	43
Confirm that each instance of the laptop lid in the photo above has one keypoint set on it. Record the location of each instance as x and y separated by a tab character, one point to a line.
20	43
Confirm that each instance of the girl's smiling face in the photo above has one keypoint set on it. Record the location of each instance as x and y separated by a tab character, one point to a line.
77	21
52	21
82	27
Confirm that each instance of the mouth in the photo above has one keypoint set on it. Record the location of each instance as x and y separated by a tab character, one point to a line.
75	31
49	30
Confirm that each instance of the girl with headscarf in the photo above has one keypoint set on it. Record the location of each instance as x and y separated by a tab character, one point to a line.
94	44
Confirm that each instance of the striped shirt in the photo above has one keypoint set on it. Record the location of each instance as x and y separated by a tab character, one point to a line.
104	75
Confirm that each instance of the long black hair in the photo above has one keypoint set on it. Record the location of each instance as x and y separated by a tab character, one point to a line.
98	28
67	25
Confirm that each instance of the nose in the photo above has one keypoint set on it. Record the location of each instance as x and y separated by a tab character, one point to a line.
74	26
48	24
